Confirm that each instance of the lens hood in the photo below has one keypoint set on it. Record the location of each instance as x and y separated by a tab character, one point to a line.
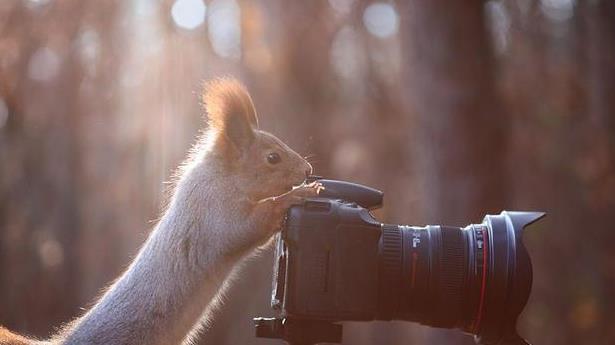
510	278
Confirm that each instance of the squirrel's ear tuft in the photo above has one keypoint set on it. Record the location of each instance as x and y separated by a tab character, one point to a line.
230	111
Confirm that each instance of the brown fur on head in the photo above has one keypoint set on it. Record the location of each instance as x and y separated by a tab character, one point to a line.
262	163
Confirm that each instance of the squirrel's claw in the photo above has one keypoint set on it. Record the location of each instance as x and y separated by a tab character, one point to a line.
308	190
297	195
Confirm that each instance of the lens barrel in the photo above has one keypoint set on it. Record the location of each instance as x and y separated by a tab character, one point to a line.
476	278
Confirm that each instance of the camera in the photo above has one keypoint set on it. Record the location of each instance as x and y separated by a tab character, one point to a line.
335	262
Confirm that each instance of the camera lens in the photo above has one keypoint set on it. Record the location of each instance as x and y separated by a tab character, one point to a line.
335	262
475	278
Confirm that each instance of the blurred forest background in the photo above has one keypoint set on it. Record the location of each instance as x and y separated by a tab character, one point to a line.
452	108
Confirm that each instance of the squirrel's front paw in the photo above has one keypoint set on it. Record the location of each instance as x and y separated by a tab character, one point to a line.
307	190
300	193
273	209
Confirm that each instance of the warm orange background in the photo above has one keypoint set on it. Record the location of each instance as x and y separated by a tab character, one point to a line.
452	108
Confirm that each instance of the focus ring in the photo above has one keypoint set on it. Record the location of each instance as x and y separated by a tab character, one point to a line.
390	267
453	269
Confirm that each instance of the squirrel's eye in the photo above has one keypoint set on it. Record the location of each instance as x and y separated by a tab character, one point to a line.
273	158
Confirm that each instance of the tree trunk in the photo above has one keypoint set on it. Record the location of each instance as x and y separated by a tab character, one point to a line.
460	135
461	130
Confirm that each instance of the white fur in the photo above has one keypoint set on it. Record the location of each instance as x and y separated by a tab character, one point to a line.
180	269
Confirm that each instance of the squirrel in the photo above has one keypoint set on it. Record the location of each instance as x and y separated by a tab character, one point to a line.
230	197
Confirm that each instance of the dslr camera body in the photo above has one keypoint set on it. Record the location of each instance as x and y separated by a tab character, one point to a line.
335	262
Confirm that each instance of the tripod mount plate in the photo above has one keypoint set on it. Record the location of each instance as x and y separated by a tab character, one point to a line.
297	331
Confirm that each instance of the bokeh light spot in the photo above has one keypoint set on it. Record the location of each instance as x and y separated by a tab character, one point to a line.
188	14
36	3
499	24
345	53
381	19
224	23
341	7
88	45
44	64
51	253
4	113
557	10
146	8
348	157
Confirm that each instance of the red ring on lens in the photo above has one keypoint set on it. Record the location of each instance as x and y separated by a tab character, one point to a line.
481	302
